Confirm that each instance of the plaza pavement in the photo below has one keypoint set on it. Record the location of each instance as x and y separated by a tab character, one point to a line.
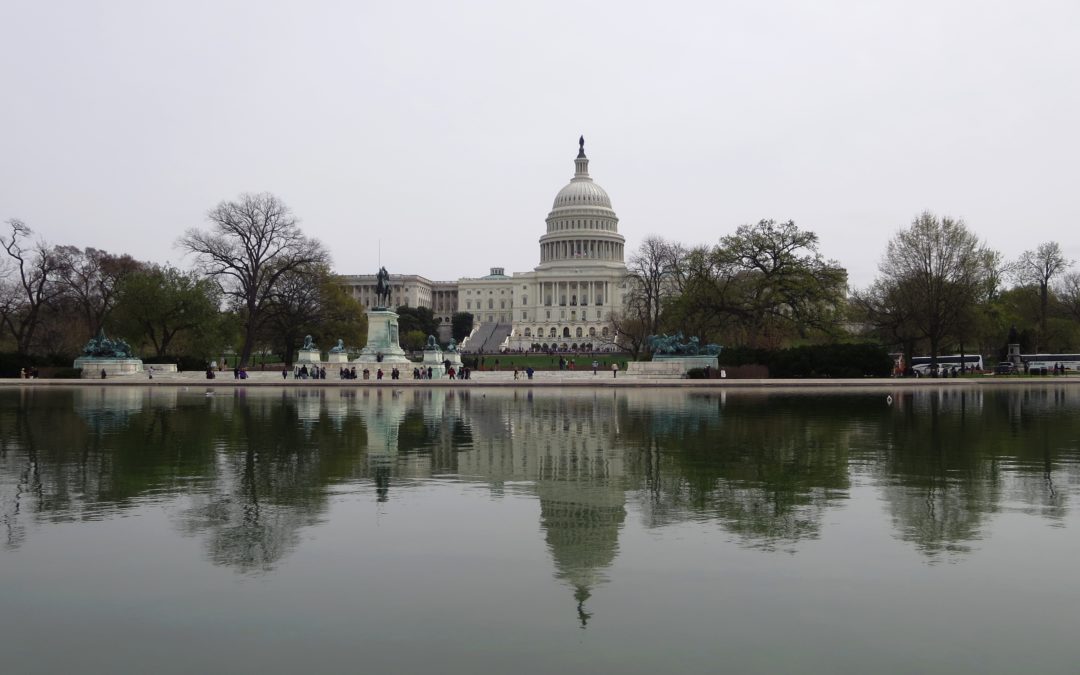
542	378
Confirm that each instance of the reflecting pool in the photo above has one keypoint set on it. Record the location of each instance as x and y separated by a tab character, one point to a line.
172	530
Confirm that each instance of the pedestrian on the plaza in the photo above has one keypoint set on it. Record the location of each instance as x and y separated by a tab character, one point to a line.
615	371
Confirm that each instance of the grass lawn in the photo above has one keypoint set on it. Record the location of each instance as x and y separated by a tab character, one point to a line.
545	362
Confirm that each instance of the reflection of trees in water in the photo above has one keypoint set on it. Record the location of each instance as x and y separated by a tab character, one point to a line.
59	463
271	480
256	466
949	459
765	467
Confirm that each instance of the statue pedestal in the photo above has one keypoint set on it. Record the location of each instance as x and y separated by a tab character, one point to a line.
308	356
1014	355
337	357
454	358
382	349
664	366
433	358
93	365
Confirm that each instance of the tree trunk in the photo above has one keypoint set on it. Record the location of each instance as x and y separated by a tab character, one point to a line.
249	343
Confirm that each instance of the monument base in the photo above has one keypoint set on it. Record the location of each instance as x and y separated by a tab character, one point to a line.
382	347
663	366
337	357
433	358
308	356
92	366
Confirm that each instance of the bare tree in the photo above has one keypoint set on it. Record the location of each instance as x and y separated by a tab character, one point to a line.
932	276
1068	291
650	279
29	286
90	277
1038	269
253	242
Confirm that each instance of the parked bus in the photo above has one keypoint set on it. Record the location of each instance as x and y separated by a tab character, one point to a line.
968	362
1046	362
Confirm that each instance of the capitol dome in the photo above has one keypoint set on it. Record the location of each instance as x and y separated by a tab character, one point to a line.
582	192
581	227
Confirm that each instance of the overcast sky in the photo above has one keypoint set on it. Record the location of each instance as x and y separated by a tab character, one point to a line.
446	128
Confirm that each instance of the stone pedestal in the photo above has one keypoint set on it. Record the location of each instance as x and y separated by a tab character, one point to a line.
433	358
337	357
93	365
664	366
1014	355
454	358
383	349
308	356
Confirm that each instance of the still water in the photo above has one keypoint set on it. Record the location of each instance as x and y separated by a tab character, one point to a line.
157	530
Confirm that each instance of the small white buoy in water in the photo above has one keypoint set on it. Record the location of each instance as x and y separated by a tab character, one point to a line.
888	399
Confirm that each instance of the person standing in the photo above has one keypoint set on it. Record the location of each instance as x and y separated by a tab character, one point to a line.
615	371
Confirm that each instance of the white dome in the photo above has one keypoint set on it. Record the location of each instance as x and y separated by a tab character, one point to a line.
582	192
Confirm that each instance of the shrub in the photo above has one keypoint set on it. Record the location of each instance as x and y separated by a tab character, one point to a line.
835	360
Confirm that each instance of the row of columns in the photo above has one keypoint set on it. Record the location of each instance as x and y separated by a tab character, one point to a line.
552	293
581	248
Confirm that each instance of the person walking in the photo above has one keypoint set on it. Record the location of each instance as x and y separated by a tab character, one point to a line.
615	371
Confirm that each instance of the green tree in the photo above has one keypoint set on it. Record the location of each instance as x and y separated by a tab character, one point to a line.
158	305
461	325
417	318
413	340
764	284
309	300
253	242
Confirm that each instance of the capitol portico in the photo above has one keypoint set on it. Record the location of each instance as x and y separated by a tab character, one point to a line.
565	302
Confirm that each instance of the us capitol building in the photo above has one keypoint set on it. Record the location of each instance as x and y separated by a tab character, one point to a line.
565	302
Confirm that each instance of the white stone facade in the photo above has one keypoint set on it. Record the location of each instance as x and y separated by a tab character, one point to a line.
565	302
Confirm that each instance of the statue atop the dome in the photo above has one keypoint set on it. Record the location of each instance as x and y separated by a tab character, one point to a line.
382	288
581	146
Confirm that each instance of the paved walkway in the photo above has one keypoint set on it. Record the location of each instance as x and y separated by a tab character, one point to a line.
544	378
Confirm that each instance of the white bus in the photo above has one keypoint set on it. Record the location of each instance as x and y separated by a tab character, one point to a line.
971	362
1047	362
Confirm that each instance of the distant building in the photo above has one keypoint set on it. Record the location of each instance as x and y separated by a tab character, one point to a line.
565	302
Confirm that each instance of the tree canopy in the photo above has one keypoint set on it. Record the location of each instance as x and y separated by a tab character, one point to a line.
252	244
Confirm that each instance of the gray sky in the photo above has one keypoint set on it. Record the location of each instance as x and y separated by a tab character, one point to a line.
446	128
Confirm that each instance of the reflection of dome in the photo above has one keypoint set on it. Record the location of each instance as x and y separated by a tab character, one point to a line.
581	524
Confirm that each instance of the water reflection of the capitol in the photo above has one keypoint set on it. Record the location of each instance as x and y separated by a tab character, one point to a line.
256	466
